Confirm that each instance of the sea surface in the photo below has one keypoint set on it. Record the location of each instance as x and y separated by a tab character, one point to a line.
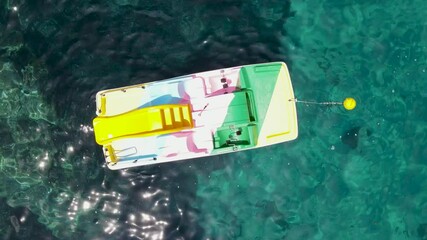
358	174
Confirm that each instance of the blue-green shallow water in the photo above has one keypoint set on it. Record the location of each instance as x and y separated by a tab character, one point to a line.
349	175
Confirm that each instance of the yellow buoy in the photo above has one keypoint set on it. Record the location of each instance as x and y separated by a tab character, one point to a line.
349	104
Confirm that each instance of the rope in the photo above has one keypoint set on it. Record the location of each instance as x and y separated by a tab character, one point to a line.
312	102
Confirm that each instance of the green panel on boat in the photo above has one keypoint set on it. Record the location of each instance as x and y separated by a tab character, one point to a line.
237	136
238	111
239	129
261	80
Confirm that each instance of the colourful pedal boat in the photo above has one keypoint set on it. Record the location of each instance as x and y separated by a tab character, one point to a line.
197	115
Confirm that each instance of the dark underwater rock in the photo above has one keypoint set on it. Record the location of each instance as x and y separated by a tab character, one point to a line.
21	223
6	135
351	137
269	209
422	231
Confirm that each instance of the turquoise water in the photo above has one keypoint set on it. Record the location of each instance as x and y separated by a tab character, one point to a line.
350	175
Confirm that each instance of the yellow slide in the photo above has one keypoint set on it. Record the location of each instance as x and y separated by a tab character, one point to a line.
143	122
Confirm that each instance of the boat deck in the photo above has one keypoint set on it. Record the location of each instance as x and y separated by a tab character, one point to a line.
196	115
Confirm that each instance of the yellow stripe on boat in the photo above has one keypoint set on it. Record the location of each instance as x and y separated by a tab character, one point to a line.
111	154
155	120
102	108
